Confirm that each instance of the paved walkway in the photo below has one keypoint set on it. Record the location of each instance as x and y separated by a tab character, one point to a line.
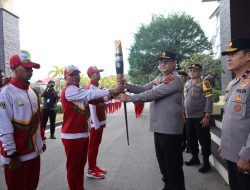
131	167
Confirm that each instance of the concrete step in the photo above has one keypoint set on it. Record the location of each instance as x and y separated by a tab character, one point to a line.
218	163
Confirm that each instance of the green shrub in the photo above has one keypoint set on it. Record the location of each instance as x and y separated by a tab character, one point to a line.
216	94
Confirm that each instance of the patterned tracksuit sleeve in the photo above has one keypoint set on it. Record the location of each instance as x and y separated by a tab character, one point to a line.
6	127
73	93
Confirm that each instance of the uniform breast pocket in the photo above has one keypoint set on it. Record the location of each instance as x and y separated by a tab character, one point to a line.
238	106
238	110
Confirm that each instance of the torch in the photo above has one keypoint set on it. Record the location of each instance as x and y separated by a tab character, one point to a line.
120	76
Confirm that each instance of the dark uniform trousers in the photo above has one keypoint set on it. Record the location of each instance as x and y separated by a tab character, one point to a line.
168	149
237	180
51	115
196	132
185	140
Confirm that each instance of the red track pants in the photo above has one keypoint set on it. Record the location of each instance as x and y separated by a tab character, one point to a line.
95	140
76	153
26	177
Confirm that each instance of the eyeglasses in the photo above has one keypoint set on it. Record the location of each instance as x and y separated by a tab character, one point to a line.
164	61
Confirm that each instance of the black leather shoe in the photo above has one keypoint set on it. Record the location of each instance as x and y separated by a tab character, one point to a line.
52	137
193	161
187	150
205	168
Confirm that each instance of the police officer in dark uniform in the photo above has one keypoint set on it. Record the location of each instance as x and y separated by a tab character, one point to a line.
166	118
198	104
235	138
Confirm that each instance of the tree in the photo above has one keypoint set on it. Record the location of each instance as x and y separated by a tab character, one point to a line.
57	73
108	82
210	66
178	32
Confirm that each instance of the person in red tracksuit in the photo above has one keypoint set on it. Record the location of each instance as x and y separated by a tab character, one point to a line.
22	138
74	132
98	122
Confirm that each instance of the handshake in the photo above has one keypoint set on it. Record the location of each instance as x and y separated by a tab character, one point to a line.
120	92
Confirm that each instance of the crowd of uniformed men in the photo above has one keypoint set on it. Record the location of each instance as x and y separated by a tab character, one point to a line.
180	113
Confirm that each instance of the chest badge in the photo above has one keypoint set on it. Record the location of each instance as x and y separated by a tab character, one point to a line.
157	81
237	107
247	80
238	98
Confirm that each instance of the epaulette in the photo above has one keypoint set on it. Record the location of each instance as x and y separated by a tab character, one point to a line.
168	79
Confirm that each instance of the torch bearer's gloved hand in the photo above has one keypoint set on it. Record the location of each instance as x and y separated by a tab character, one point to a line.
124	98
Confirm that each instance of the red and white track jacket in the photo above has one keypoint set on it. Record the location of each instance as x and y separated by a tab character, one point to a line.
76	110
20	116
97	108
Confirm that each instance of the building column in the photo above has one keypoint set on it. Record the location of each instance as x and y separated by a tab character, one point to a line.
235	23
9	38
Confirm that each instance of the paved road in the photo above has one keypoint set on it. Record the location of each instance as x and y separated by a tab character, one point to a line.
129	168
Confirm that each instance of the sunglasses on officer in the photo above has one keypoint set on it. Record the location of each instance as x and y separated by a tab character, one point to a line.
165	61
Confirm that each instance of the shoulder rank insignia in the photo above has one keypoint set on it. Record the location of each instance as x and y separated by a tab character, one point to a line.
168	79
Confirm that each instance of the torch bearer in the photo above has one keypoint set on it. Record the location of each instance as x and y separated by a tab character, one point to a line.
120	76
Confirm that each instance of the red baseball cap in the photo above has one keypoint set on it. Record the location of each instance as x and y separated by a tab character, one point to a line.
23	59
93	69
70	69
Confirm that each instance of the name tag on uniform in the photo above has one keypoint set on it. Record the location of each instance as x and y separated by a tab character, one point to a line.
2	105
243	91
20	104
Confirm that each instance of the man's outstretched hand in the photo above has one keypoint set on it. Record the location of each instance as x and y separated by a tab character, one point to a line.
117	90
124	98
